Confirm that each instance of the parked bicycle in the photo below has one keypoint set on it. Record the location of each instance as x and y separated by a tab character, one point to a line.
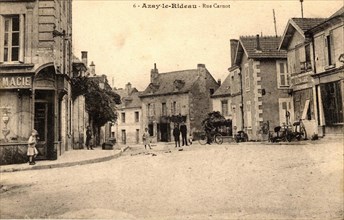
241	136
289	133
214	137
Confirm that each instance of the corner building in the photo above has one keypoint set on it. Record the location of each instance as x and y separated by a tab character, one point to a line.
35	70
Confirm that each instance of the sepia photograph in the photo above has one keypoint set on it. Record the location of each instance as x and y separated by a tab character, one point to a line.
172	109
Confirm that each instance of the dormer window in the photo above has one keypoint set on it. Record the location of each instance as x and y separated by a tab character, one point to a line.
178	84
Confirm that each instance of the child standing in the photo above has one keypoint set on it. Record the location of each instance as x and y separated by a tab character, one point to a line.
145	139
32	150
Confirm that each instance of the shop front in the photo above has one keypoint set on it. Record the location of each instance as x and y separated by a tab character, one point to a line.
30	100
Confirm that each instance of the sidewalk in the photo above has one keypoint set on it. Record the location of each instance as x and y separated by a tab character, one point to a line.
69	158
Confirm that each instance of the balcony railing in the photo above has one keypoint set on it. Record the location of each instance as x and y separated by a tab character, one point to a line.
305	66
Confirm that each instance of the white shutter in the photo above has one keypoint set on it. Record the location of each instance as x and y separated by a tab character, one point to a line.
2	31
21	38
305	109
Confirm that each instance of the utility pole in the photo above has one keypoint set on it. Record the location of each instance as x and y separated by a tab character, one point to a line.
273	11
301	1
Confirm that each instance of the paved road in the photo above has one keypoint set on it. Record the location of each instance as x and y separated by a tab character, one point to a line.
246	181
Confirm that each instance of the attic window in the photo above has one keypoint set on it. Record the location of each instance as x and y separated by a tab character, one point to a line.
154	87
211	91
178	84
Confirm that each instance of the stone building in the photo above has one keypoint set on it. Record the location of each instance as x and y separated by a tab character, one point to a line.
35	67
221	99
314	47
174	97
128	128
80	119
259	84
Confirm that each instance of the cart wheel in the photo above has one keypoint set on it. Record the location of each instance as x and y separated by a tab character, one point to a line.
202	139
303	133
218	139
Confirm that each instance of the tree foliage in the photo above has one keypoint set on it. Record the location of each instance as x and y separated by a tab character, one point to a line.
100	103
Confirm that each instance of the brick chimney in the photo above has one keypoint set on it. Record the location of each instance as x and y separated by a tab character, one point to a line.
154	74
128	88
92	69
258	43
233	45
201	69
219	82
84	57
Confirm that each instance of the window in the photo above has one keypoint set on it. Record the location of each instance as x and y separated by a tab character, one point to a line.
137	117
137	136
285	105
124	137
149	109
12	38
330	50
164	109
247	78
332	103
211	91
224	107
282	74
174	108
123	117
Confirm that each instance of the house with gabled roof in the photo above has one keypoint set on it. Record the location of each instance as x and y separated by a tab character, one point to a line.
175	97
128	128
221	98
258	79
301	68
328	79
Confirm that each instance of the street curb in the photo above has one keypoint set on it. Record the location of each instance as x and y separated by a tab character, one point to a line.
67	164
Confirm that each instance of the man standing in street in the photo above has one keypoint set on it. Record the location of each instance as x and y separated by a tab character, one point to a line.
89	138
176	134
184	131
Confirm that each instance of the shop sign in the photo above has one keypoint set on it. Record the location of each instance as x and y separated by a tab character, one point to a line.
15	82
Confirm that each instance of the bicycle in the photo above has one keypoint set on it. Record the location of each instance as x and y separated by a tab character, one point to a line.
217	137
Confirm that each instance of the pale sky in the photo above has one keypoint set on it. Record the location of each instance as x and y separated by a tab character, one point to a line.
124	42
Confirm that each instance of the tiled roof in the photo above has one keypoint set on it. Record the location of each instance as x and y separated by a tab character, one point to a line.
172	82
339	12
224	89
268	47
338	15
129	101
307	23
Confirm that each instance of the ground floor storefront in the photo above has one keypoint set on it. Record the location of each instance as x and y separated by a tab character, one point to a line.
34	100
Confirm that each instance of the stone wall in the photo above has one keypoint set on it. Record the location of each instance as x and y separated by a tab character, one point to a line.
13	153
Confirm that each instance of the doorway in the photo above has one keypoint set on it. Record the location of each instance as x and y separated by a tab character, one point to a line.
165	132
44	123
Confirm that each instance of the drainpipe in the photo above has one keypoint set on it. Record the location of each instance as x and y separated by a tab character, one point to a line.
242	101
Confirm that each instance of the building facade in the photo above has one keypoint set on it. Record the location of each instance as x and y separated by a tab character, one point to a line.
300	67
328	78
175	97
35	68
128	128
258	80
80	119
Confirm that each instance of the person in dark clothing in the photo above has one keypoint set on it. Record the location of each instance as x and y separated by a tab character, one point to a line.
89	138
208	127
184	131
176	134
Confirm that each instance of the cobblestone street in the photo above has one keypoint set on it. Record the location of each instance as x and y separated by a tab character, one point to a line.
228	181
